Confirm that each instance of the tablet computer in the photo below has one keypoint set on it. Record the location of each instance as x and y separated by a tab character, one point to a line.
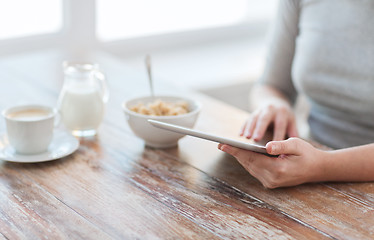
207	136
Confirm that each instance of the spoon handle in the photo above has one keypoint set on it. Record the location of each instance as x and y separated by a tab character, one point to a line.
149	70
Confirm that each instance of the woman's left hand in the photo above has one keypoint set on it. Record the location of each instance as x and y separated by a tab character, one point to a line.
297	163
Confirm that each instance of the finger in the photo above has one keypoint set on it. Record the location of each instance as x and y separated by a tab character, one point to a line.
242	129
292	128
280	126
246	158
262	124
240	154
289	146
236	152
256	164
250	127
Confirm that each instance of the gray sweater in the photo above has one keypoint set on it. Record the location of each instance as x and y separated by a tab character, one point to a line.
325	50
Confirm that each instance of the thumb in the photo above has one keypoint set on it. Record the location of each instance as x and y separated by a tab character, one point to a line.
289	146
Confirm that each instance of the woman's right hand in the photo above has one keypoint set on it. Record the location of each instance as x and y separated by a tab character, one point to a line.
279	113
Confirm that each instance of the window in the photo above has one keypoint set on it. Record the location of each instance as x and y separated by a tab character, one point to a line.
21	18
131	19
37	24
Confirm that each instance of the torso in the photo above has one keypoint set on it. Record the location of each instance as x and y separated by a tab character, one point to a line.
334	67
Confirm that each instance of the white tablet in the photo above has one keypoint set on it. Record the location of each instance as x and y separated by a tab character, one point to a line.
207	136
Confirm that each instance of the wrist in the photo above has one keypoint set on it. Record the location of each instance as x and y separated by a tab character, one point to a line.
322	166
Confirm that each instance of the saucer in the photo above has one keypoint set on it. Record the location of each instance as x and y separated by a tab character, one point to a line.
62	145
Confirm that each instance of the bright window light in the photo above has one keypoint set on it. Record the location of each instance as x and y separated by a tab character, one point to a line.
20	18
135	18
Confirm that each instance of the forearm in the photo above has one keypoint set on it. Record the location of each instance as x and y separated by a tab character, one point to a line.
263	94
350	164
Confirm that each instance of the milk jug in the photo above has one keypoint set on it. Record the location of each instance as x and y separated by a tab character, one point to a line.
82	98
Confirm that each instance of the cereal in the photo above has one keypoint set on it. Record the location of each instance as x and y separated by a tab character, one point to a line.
161	108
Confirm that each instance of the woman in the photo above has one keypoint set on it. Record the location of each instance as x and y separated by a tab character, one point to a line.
325	50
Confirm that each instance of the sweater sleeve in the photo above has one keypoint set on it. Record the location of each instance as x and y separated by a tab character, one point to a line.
278	67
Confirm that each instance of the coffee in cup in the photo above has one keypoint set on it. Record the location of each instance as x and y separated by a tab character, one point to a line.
30	127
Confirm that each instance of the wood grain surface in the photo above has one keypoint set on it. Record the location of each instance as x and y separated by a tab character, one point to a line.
114	187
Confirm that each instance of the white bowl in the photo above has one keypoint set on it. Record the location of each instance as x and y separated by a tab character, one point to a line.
155	137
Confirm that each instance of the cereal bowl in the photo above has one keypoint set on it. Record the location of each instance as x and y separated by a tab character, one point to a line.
155	137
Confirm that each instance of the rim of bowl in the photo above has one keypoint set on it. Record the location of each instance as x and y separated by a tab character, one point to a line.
196	110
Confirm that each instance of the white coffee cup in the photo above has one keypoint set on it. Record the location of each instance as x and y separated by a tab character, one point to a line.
30	127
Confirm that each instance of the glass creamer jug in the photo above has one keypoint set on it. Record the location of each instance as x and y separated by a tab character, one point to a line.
82	98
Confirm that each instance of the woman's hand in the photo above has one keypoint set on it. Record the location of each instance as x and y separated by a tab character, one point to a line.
297	163
277	112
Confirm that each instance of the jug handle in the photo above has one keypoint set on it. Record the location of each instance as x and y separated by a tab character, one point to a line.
104	88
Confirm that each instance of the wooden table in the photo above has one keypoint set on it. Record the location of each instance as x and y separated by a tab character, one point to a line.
115	188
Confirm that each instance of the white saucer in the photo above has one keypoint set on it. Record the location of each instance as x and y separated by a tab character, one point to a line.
63	144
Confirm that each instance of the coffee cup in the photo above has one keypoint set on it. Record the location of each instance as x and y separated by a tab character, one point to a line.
30	127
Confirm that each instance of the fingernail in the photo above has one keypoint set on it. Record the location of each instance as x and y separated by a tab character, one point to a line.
221	147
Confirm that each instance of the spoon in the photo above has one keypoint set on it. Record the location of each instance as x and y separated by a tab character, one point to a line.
148	64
